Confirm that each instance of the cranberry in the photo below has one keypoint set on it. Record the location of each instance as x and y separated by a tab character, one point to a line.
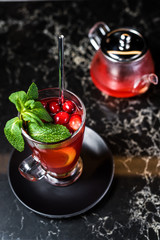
54	107
44	103
68	106
61	118
75	121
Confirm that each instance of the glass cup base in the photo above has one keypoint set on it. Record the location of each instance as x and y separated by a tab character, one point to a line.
68	178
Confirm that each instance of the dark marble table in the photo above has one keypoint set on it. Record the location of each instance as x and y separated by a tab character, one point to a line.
130	127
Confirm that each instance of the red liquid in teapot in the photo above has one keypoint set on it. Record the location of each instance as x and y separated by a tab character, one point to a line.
121	79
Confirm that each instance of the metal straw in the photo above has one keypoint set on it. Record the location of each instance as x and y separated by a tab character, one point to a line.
61	67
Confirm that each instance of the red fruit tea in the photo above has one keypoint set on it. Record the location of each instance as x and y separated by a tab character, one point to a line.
61	158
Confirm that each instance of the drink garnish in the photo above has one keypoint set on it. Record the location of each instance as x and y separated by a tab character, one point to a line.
31	112
48	133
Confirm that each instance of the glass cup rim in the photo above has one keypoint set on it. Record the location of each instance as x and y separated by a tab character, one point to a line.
69	138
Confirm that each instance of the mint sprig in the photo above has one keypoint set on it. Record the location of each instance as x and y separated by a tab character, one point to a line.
29	110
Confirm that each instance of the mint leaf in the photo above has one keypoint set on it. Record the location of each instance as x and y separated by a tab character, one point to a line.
19	99
29	116
38	105
29	104
13	133
36	108
32	92
48	132
41	112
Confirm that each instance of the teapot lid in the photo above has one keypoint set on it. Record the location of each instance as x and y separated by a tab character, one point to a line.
123	45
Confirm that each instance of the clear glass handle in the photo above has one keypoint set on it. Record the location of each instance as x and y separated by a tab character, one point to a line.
97	32
31	169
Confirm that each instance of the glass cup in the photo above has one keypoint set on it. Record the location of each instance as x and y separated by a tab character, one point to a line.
58	163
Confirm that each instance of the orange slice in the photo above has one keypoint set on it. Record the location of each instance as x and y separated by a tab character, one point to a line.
64	157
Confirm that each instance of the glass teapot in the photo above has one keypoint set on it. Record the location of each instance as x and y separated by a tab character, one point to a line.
123	65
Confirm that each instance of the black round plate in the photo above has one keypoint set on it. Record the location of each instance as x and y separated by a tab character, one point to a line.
77	198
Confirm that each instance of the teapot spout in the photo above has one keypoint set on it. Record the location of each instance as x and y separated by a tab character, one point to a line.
142	85
150	78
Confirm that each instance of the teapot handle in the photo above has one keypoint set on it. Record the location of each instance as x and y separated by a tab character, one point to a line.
96	33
